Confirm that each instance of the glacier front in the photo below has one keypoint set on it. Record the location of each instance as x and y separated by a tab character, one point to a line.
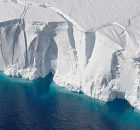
89	48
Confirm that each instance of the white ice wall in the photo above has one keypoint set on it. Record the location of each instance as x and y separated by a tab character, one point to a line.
103	62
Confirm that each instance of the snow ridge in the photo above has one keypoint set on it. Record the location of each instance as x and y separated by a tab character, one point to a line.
45	5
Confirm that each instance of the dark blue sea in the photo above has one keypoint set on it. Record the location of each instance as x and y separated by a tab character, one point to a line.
42	105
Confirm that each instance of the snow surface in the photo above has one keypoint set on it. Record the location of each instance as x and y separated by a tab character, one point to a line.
90	45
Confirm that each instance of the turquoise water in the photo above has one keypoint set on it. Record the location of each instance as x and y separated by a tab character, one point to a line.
42	105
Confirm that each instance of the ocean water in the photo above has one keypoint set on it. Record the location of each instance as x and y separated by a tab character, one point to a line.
42	105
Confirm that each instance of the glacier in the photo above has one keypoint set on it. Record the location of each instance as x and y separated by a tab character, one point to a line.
89	48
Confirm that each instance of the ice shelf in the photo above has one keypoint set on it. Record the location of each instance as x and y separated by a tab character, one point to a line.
93	48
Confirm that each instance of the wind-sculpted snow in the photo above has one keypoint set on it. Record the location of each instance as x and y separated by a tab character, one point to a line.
104	64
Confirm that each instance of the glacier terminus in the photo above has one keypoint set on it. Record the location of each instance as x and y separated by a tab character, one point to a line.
89	48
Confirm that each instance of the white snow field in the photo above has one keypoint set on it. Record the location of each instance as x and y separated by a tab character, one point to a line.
91	46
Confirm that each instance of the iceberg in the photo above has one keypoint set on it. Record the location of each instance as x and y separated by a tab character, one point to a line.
93	48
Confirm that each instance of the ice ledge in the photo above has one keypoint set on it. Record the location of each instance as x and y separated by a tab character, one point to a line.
104	64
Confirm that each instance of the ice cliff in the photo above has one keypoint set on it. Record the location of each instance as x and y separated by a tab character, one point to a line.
94	48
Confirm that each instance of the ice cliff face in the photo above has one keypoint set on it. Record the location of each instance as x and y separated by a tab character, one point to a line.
104	62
